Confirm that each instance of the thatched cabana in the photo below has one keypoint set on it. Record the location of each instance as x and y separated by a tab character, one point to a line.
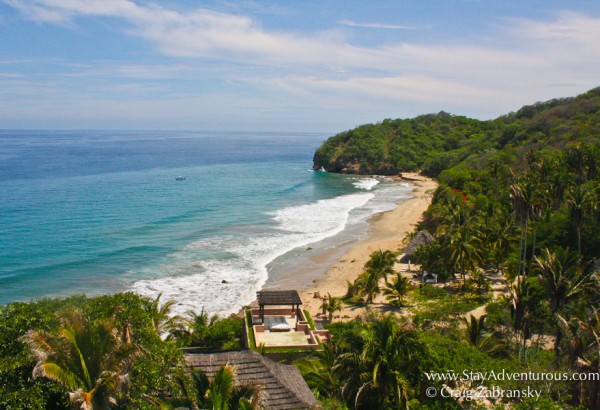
277	298
422	238
282	384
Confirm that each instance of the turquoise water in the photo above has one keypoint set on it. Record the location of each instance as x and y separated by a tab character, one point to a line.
99	212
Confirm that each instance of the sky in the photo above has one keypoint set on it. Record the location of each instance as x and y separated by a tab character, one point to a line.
286	65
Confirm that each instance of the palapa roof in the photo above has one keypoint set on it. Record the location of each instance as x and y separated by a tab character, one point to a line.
422	238
283	384
278	297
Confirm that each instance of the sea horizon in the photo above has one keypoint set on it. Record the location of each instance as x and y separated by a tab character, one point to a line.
103	211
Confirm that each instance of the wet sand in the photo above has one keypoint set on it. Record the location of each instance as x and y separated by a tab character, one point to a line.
387	231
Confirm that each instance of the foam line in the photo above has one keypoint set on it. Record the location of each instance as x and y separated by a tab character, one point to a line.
242	261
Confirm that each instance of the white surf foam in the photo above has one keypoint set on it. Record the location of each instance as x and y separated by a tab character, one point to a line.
195	281
366	183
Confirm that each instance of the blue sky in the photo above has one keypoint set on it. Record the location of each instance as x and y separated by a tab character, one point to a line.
322	66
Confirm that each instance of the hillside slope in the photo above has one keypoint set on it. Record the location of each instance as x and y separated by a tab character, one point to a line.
435	142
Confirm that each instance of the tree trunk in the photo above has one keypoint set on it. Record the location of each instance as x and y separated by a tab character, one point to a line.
520	250
557	341
525	245
533	241
462	271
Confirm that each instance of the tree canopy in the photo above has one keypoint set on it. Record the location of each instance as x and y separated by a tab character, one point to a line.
434	143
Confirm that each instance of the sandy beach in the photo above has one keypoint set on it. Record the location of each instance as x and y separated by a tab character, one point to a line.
386	232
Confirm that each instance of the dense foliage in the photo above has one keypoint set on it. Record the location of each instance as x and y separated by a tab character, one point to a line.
386	361
437	142
119	351
518	199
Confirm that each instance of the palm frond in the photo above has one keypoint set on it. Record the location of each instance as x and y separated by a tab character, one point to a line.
58	373
40	344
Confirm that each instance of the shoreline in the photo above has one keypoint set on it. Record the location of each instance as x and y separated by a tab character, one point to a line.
386	231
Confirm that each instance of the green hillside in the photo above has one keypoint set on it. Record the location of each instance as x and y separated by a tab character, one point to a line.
435	142
537	167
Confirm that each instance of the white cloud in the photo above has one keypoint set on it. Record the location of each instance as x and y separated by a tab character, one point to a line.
525	60
108	69
576	28
382	26
39	13
10	75
408	88
231	37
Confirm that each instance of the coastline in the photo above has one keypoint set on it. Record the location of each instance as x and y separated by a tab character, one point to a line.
386	231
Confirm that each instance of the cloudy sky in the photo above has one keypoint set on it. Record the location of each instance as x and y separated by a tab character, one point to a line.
321	66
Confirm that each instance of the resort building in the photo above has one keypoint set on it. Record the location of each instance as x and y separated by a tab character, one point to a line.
422	238
276	321
277	327
282	385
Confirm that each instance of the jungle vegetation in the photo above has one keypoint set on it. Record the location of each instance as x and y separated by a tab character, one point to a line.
519	197
120	351
434	143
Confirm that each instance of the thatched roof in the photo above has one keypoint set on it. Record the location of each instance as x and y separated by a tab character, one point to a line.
278	297
283	384
422	238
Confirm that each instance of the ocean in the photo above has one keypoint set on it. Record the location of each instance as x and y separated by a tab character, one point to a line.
101	212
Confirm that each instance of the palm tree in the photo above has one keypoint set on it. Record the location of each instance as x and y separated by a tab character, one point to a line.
557	186
396	290
190	397
333	305
224	394
377	362
352	291
574	158
377	267
522	194
219	393
368	285
453	213
320	373
578	199
192	330
475	329
163	320
500	238
381	263
353	374
583	354
466	251
220	388
88	357
324	306
577	340
592	159
565	278
391	350
521	310
475	335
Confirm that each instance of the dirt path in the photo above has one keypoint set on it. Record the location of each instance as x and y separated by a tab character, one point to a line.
498	287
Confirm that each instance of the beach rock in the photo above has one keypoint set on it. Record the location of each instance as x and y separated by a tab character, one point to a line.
353	169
